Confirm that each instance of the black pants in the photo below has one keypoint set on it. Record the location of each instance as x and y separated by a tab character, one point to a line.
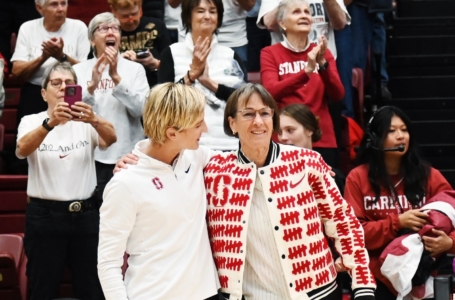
31	101
104	173
56	239
330	156
383	292
257	39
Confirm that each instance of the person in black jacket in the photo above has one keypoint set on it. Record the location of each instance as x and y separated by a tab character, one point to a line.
143	38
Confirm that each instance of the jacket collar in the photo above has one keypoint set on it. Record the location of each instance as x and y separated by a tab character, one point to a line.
272	155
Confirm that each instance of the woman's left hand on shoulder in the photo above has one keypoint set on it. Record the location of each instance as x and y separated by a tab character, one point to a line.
82	112
439	244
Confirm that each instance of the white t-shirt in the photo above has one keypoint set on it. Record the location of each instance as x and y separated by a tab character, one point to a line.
320	26
232	32
32	34
63	166
156	213
172	16
121	105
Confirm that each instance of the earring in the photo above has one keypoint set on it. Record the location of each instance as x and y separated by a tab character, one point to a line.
233	132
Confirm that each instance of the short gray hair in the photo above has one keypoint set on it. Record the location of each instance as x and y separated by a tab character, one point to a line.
282	9
58	66
42	2
99	19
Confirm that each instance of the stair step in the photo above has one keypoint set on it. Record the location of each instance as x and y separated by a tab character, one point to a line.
416	30
441	162
424	44
422	86
422	22
430	60
416	70
433	150
431	114
422	8
434	132
407	104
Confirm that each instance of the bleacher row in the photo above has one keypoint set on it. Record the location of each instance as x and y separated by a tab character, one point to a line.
13	196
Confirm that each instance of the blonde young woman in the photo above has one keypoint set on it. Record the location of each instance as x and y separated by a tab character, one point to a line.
149	213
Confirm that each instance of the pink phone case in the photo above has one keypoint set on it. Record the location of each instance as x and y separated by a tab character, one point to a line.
73	93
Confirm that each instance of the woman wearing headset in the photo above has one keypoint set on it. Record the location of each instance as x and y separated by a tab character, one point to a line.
389	186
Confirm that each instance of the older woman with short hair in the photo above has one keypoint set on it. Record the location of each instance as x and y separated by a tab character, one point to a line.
269	206
298	70
116	87
201	61
62	217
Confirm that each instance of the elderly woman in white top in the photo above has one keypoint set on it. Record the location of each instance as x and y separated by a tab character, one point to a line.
116	87
209	66
62	218
41	43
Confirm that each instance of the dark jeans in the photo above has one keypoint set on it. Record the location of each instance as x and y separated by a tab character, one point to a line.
382	291
343	41
31	101
56	239
103	176
257	39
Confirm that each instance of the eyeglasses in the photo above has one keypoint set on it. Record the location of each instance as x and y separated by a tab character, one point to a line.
105	29
250	114
57	83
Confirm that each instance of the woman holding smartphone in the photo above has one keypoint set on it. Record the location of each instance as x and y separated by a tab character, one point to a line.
62	216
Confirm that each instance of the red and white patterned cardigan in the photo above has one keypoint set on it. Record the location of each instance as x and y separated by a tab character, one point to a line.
300	193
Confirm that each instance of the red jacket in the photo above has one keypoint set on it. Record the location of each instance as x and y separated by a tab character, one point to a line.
283	75
380	220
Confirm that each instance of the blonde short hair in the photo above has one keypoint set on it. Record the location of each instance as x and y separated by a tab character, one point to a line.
171	105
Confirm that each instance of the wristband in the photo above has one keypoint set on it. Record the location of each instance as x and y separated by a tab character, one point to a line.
189	78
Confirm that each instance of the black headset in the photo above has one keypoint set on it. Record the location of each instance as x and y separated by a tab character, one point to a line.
372	139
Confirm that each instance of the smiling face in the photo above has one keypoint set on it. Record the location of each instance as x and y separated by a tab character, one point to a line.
204	18
53	93
189	138
398	135
293	133
297	18
254	133
129	17
109	38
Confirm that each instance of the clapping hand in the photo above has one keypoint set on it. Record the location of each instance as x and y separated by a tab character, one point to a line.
200	54
53	48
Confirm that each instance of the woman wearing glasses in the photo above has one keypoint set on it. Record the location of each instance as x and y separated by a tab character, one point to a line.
269	206
116	88
62	217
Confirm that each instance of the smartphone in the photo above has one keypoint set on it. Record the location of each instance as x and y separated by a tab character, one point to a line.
73	94
142	54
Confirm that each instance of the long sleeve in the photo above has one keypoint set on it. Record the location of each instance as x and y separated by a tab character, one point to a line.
117	219
378	233
342	225
332	83
166	72
271	80
133	97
